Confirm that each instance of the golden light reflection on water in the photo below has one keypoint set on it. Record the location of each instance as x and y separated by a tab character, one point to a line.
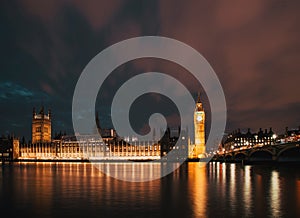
275	194
68	179
223	167
193	190
232	186
198	187
298	195
133	172
247	190
221	179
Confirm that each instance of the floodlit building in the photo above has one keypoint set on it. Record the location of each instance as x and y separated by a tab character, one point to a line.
241	140
198	149
9	148
41	126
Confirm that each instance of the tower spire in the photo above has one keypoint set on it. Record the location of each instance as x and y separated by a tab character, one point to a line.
97	120
198	98
199	103
33	112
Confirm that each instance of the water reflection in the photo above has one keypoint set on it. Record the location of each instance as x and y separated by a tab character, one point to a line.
232	186
247	200
275	195
135	172
298	196
192	190
197	184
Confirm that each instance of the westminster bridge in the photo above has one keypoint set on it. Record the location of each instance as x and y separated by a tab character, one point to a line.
281	152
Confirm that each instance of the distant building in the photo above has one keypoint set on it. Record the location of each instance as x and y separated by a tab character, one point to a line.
9	148
290	135
240	140
41	126
171	141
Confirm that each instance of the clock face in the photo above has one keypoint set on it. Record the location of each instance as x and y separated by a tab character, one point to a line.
199	118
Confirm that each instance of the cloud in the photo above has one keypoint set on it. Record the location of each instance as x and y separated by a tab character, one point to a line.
97	13
45	10
252	46
10	91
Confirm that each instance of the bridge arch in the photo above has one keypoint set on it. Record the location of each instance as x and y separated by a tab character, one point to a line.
228	157
261	155
240	156
289	154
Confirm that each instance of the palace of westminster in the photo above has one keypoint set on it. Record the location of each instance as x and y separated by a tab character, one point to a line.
111	147
108	146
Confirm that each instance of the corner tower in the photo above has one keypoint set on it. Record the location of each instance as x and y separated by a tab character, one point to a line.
41	126
199	126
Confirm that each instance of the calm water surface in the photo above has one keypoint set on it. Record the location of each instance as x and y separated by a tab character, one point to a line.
193	190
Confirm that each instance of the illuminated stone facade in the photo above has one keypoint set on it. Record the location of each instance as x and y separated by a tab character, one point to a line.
91	147
41	126
198	149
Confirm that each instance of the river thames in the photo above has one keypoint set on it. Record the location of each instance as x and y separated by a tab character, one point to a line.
193	190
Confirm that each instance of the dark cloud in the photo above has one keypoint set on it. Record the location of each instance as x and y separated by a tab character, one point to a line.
253	46
9	90
12	92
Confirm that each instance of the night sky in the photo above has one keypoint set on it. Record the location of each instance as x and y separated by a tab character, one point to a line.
253	46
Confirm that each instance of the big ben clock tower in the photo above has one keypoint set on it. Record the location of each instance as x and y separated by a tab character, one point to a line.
199	125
